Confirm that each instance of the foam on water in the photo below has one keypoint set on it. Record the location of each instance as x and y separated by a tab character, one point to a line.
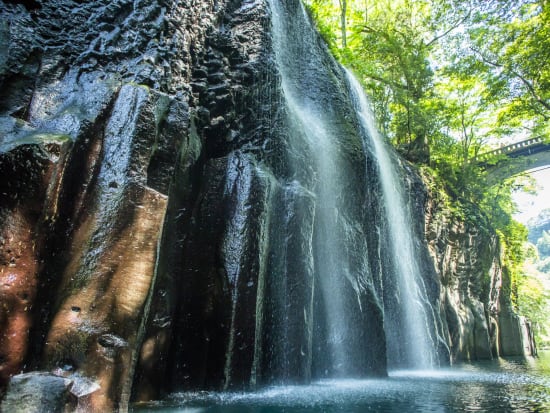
489	387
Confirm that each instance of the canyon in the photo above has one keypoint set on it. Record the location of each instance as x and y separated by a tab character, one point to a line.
192	198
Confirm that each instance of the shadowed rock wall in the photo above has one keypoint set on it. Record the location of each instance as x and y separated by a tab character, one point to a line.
94	112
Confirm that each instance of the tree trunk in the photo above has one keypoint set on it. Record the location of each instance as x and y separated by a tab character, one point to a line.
343	13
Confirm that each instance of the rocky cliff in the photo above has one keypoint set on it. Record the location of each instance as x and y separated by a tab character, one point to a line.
151	190
100	106
475	293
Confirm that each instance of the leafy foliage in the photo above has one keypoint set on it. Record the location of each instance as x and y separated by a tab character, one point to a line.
446	74
533	296
510	43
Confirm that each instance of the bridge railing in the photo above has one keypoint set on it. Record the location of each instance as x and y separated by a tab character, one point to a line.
505	150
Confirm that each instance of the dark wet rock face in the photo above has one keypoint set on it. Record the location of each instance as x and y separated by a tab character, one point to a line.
475	287
29	176
46	392
119	119
159	224
94	113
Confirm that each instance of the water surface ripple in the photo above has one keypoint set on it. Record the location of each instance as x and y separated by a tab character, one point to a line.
492	386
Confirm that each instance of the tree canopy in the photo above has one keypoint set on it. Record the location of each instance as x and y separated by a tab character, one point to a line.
446	77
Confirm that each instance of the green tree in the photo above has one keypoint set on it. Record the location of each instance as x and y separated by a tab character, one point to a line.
533	302
467	121
391	44
343	21
509	44
390	47
533	296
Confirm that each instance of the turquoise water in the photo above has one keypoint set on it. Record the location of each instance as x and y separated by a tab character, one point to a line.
496	386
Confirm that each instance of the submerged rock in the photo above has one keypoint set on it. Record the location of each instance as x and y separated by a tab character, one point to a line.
47	392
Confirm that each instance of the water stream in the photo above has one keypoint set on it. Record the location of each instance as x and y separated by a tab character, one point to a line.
409	319
315	134
340	234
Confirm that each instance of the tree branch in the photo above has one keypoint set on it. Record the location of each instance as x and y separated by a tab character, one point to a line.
526	82
445	33
387	82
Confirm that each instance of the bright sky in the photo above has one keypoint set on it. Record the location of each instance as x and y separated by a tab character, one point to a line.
531	205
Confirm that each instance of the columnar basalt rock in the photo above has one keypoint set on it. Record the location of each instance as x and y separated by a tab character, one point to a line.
28	194
475	301
468	264
94	108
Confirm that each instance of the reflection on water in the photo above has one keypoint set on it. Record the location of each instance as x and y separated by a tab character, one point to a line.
493	386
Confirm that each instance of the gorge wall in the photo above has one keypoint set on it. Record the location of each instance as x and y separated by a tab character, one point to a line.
475	294
160	217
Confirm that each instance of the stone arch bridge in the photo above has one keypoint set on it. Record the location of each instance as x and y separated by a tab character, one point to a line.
520	157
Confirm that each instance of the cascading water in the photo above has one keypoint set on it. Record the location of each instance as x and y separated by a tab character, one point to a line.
302	285
345	304
408	316
409	319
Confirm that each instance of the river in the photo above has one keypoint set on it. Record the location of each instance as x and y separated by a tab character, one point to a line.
503	385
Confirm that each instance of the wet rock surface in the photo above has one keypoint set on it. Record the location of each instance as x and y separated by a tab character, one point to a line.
111	115
94	108
37	392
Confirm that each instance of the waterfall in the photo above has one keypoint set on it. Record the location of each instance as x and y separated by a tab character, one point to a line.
319	139
409	318
304	283
319	142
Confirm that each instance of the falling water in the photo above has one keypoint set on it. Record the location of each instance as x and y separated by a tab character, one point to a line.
340	250
408	324
309	125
